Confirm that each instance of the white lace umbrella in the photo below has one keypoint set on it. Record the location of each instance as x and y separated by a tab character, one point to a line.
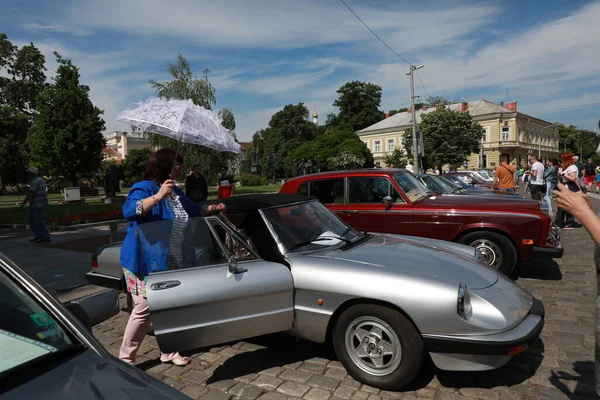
183	121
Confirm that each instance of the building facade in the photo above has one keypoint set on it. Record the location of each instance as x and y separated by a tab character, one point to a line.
123	142
506	132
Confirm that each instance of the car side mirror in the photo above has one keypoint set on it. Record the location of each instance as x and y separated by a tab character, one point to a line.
234	268
389	201
96	308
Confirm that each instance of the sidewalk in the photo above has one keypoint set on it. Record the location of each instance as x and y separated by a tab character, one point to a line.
62	264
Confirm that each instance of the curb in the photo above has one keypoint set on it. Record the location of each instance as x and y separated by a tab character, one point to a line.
58	228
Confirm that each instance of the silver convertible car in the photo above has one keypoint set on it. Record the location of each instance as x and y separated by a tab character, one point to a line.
285	263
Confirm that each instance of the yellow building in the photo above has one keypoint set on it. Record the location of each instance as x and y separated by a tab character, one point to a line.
506	132
122	142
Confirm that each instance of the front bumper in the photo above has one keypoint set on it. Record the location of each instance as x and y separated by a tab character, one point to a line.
482	352
548	252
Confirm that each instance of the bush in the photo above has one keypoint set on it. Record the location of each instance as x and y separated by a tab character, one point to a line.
252	180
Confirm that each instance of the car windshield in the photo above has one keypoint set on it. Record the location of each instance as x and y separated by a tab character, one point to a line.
484	174
436	185
28	333
308	226
411	186
456	186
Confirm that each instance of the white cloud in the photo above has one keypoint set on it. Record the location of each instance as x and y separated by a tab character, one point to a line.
34	26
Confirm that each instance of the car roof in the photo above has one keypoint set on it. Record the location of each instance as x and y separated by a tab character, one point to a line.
350	172
254	202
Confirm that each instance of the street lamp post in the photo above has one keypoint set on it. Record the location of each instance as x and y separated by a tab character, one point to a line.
410	73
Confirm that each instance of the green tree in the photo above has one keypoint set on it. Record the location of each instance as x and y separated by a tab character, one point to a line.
359	104
449	137
345	160
66	139
185	85
575	139
288	129
433	101
135	165
397	158
14	126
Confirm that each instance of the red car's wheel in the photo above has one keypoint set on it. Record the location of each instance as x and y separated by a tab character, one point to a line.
497	250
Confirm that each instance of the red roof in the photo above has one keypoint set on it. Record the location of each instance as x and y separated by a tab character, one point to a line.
110	151
245	145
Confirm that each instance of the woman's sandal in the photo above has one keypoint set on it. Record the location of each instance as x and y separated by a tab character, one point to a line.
179	360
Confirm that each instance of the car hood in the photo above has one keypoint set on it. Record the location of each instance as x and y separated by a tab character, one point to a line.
481	202
90	376
420	257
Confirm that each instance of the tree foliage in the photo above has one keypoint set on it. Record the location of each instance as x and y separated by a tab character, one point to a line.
14	126
449	137
185	85
397	158
66	139
433	101
134	166
579	141
359	104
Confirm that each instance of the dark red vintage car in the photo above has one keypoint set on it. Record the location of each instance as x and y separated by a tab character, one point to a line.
504	229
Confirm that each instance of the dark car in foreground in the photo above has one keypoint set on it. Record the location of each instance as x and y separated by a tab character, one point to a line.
48	350
504	228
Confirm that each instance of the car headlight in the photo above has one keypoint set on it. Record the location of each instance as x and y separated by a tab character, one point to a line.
464	302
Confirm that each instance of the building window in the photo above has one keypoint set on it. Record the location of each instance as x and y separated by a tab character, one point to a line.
505	133
391	145
377	164
377	146
486	134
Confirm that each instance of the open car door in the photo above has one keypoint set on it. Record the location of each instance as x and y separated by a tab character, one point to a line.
220	297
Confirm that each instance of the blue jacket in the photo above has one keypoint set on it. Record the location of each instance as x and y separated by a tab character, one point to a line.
145	250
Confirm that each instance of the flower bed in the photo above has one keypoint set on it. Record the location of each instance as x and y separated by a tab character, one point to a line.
87	218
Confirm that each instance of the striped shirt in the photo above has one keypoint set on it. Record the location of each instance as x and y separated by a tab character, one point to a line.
40	197
180	222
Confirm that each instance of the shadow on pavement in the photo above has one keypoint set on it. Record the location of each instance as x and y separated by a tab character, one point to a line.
579	384
518	370
546	269
282	350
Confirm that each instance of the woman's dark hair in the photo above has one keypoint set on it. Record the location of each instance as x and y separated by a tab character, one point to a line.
160	164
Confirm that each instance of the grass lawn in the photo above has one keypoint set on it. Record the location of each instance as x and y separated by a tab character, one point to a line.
12	215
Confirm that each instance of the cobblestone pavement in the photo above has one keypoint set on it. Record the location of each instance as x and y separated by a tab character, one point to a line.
277	367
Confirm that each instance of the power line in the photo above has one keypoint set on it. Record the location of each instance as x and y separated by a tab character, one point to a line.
422	84
566	108
377	36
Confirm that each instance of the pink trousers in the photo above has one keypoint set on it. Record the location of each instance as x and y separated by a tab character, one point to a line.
136	330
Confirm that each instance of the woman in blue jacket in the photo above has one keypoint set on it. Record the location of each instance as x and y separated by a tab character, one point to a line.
146	250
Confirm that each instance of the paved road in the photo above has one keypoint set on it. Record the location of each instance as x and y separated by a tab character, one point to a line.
558	366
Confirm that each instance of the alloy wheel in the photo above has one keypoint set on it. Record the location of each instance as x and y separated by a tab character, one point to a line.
373	346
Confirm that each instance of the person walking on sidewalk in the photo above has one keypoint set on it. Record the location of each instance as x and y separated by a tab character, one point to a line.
550	178
38	200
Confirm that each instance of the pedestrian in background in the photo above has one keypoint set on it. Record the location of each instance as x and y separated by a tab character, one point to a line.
589	174
226	183
579	165
579	205
550	178
37	197
505	176
564	219
536	184
196	187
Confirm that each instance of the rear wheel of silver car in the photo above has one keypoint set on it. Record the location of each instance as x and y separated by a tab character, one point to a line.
378	346
497	250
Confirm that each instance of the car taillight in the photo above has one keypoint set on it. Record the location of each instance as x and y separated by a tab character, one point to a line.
94	264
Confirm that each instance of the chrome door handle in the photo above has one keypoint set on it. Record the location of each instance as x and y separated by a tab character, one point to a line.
351	212
164	285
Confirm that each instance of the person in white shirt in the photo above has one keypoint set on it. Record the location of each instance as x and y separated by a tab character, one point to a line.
536	179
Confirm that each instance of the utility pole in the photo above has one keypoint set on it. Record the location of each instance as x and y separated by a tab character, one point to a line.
416	163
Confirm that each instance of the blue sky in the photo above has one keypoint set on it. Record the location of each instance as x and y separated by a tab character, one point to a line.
268	53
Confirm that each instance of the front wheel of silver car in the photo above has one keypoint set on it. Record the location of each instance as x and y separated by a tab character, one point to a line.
378	346
497	250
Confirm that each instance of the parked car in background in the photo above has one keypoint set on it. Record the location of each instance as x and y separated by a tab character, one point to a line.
441	185
471	178
286	263
484	175
504	228
48	350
